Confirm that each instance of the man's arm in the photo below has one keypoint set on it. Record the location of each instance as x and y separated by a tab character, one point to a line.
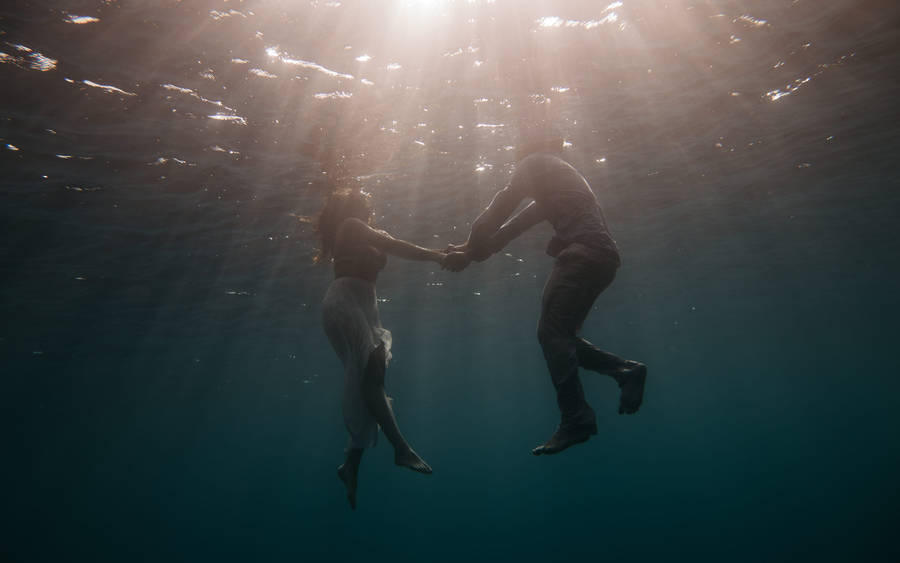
488	223
521	222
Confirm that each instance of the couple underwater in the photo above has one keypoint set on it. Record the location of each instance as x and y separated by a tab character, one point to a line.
586	260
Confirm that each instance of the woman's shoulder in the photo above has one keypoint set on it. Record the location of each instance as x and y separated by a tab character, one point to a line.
352	226
353	223
354	232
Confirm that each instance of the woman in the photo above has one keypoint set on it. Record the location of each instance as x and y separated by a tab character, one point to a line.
350	317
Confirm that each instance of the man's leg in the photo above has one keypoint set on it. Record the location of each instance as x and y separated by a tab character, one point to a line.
593	358
630	375
568	296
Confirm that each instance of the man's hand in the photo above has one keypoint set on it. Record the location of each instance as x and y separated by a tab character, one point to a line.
555	246
479	255
455	261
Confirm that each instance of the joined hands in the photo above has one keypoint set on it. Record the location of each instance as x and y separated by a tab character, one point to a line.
457	257
455	261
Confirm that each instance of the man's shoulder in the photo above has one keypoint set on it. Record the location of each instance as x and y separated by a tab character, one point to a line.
543	164
536	169
542	159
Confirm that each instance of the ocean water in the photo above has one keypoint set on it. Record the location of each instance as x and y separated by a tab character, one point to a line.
168	393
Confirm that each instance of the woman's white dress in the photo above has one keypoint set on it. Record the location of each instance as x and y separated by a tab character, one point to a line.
350	318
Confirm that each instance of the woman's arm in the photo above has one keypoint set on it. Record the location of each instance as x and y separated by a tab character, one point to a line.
398	247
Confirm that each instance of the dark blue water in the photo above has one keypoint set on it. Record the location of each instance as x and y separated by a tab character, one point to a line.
168	393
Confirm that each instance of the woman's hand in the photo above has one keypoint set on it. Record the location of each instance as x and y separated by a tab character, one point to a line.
455	248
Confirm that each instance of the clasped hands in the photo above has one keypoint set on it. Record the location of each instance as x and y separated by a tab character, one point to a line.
458	256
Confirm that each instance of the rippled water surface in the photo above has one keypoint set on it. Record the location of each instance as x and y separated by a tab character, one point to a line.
168	393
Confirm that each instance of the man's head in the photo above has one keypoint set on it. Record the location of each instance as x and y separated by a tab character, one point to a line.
538	137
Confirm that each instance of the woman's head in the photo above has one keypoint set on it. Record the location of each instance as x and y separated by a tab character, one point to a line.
341	205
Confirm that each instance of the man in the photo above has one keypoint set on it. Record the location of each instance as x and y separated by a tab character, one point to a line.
586	262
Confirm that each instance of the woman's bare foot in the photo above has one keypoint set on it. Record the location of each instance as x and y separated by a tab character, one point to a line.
406	457
348	476
348	473
631	379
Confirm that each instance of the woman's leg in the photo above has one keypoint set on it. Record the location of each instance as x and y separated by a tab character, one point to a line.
349	471
377	402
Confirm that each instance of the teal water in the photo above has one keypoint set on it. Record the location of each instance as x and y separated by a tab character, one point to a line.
167	390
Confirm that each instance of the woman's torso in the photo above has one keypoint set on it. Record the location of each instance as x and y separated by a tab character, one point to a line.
355	257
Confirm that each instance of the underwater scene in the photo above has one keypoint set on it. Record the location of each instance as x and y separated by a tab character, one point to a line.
169	392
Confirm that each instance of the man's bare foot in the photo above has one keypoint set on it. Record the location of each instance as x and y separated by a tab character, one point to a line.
565	437
348	476
631	380
406	457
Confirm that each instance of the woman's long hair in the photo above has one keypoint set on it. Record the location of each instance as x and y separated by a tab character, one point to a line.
340	205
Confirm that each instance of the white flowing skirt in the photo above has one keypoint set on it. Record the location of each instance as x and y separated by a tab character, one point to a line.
350	318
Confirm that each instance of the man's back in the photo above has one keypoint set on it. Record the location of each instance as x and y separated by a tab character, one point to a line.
565	199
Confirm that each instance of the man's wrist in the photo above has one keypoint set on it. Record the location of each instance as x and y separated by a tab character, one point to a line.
478	254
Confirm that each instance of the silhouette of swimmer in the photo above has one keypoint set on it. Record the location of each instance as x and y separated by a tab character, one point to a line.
350	318
586	262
